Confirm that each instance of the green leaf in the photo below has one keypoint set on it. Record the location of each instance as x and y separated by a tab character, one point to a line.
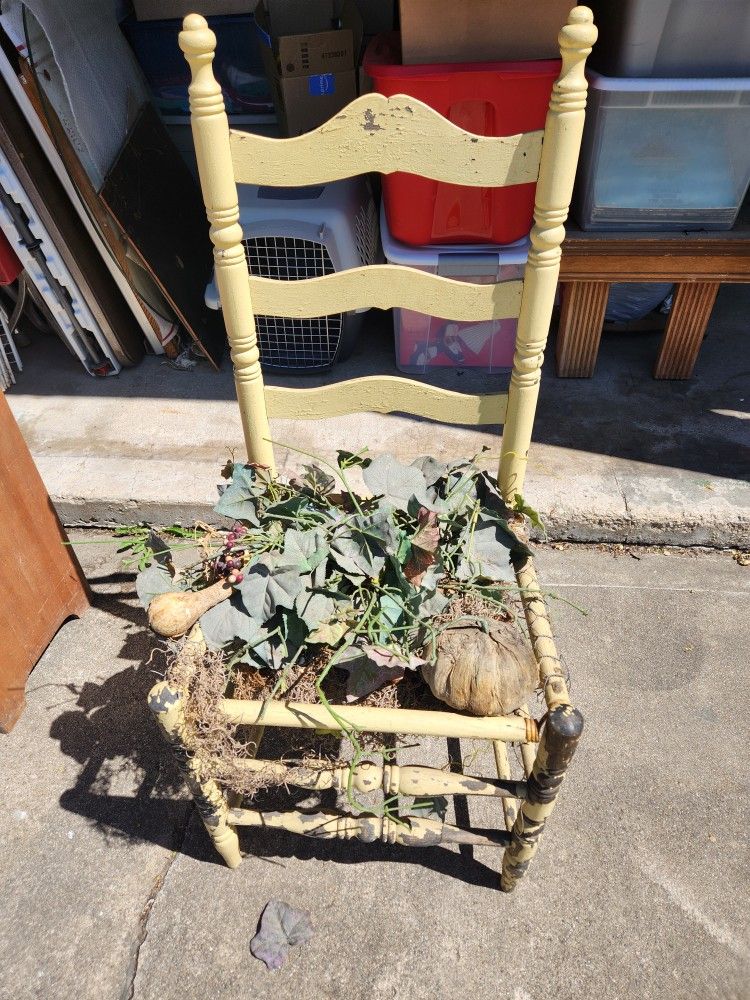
317	479
520	505
330	633
152	581
237	502
398	483
314	607
305	549
391	612
366	676
358	547
294	631
270	584
488	548
431	469
348	459
229	622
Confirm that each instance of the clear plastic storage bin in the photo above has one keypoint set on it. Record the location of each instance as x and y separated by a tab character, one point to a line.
663	154
424	342
691	38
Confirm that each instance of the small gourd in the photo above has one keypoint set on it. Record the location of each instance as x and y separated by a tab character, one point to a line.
172	615
485	673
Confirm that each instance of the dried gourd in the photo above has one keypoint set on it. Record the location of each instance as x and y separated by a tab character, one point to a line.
490	672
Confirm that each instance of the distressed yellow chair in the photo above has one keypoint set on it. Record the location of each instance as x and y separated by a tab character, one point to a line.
375	133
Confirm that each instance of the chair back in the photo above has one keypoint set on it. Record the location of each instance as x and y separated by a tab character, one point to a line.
380	134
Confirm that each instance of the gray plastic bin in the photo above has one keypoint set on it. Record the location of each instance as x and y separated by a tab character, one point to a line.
663	154
667	38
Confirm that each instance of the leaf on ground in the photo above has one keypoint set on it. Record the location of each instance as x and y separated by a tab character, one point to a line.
281	928
270	584
398	483
229	622
152	581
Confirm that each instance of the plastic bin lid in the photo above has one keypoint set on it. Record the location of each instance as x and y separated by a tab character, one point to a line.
647	84
400	253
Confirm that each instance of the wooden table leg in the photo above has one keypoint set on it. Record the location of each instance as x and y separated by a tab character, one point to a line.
685	329
582	308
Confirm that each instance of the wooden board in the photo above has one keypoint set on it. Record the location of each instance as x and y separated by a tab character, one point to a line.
72	242
40	580
157	202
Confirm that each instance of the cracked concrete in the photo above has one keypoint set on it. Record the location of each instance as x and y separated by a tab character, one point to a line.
618	457
111	888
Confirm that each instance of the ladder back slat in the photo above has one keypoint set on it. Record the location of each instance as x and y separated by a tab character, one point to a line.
386	394
382	135
386	286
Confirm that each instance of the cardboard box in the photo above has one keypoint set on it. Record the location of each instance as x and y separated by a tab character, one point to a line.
164	10
313	73
450	31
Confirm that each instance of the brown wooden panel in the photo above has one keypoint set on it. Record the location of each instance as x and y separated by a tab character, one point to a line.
157	202
685	329
41	582
580	328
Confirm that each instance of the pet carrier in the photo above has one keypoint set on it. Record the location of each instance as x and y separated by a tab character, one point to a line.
306	232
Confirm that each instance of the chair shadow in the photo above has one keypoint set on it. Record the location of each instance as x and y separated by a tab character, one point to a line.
112	736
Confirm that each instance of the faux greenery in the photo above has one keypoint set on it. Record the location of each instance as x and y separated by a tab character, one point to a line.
315	565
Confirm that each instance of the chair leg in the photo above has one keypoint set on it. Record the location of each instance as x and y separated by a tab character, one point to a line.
167	705
579	330
558	744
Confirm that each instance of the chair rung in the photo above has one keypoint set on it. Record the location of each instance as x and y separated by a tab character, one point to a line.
408	831
393	779
362	718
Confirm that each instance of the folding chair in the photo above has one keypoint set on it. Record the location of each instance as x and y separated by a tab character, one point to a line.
375	133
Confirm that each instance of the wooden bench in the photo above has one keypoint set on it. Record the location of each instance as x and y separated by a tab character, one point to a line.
696	262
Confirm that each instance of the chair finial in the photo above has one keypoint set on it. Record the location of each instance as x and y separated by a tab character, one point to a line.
196	38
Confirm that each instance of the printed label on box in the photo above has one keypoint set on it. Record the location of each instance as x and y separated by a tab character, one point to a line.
323	83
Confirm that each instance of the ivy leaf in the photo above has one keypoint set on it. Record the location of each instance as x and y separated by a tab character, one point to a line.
270	584
355	552
294	631
398	483
318	479
314	608
391	612
229	622
348	459
160	550
305	549
237	500
384	657
330	633
365	676
433	605
488	548
424	545
520	505
152	581
431	469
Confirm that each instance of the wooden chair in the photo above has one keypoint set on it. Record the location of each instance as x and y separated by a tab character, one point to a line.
375	133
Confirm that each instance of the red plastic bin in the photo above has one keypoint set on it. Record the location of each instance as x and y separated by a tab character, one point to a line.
10	265
502	98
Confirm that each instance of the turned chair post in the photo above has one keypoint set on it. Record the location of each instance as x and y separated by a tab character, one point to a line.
211	137
562	142
167	704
